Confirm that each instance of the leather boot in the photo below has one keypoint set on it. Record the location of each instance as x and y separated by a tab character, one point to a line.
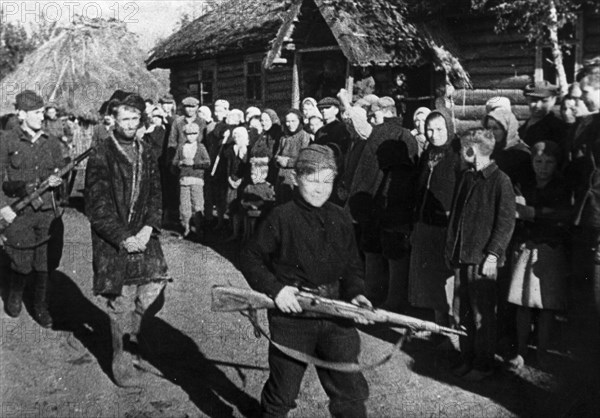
40	300
14	304
124	372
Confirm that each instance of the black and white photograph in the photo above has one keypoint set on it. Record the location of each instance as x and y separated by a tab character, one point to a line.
299	208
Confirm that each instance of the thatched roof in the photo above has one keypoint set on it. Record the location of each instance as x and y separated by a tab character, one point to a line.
377	32
234	25
369	32
82	65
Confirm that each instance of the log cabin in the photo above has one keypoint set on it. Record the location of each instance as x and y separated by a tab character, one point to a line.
274	53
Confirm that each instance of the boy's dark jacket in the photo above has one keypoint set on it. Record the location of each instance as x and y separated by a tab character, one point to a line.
484	222
118	204
201	162
300	245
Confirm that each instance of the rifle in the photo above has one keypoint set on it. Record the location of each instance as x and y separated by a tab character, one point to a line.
35	196
230	299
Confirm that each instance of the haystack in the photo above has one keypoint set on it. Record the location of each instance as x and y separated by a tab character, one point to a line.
82	65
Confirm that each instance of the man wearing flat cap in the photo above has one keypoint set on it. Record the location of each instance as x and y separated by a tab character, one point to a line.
335	135
543	124
29	156
124	207
190	115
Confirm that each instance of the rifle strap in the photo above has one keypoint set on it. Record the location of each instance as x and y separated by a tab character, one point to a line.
317	362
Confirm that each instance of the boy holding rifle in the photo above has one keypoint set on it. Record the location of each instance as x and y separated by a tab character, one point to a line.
309	243
28	155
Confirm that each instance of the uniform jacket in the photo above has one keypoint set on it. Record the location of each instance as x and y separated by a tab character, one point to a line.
122	196
23	162
482	219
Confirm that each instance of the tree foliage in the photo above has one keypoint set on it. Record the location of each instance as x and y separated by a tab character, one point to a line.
16	41
532	17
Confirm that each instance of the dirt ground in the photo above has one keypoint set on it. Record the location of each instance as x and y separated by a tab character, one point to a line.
201	363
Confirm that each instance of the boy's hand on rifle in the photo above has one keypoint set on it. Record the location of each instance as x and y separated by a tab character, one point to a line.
286	300
363	302
54	181
8	214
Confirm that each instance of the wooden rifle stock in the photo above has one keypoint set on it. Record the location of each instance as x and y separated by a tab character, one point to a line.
230	299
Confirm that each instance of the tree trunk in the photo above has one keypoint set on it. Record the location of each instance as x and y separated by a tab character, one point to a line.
563	85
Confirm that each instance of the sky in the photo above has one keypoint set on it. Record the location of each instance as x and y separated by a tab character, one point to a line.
148	19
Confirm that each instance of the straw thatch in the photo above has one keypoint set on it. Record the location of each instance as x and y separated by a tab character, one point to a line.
233	26
80	67
377	32
369	32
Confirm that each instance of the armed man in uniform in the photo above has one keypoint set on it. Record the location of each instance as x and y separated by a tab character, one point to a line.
28	156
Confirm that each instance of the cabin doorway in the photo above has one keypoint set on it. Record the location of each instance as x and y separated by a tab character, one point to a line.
322	73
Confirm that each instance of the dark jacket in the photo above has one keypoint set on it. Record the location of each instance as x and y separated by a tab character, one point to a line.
439	168
24	163
118	204
482	219
335	135
369	175
553	213
176	135
201	162
300	245
549	128
585	174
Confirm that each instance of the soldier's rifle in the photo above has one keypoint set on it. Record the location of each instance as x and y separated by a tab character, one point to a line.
35	196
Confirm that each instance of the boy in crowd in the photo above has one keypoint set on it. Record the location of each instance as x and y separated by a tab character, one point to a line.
309	242
191	158
482	220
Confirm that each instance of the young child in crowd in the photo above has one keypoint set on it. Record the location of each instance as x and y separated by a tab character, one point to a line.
309	242
191	160
238	172
258	197
540	265
482	220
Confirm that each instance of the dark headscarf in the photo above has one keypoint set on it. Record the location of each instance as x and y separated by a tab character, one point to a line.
300	119
273	115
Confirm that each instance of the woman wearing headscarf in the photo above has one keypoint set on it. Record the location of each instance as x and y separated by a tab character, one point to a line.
268	142
439	167
419	131
510	153
309	109
294	139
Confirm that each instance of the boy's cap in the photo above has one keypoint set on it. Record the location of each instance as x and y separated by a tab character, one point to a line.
541	90
384	102
28	100
329	102
319	156
167	98
191	128
190	101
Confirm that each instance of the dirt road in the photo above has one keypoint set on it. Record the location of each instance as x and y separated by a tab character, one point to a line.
201	363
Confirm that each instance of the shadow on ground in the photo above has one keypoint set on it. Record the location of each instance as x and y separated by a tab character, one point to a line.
174	355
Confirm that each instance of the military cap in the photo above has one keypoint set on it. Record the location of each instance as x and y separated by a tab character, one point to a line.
28	100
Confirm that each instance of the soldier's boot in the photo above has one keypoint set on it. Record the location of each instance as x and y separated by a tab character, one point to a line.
40	300
14	304
124	372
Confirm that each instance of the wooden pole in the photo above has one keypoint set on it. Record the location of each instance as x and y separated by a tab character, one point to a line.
349	81
296	82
